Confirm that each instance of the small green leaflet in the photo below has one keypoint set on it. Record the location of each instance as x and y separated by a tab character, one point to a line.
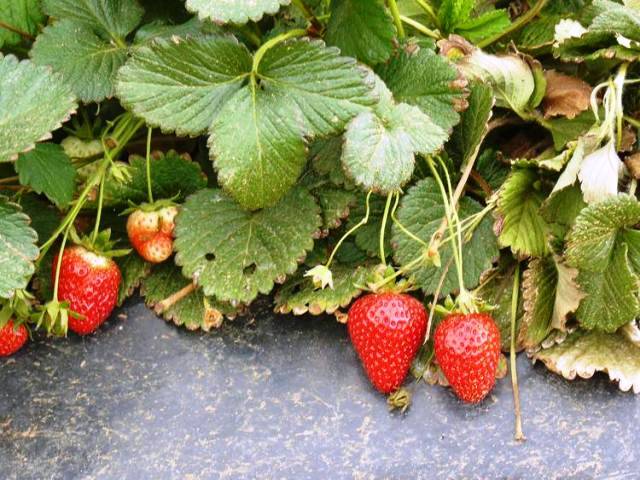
87	62
299	296
171	175
235	11
112	18
421	212
380	145
485	25
33	102
195	311
583	353
454	12
180	86
18	248
47	169
523	228
361	29
418	76
25	15
233	254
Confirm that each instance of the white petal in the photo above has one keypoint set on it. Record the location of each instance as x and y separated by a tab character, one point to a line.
599	174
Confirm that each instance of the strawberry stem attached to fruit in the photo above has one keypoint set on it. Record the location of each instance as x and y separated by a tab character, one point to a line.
519	436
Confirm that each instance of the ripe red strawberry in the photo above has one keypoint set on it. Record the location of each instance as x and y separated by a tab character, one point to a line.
89	282
12	339
467	348
386	330
151	233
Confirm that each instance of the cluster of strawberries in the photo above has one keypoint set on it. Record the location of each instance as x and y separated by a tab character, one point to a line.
89	280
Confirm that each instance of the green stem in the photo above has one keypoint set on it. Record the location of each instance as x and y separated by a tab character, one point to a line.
402	228
519	436
149	191
364	220
96	228
257	57
420	27
632	121
119	41
520	22
395	13
56	282
385	217
426	6
401	271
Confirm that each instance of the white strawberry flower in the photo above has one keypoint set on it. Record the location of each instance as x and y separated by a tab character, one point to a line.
321	276
600	172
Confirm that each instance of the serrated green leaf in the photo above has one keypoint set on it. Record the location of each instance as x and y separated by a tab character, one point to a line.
561	209
18	248
539	34
616	19
550	295
488	24
379	148
45	217
335	205
299	296
611	294
584	353
468	135
421	212
565	130
367	237
24	15
510	76
116	18
418	76
258	170
171	175
454	12
182	86
47	169
523	228
195	311
193	27
491	168
234	254
236	11
33	102
88	63
362	29
326	159
133	269
593	238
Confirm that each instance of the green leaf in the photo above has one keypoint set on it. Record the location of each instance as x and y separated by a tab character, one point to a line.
87	62
584	353
561	209
454	12
491	168
171	175
418	76
235	11
18	248
181	86
510	76
326	159
380	146
335	205
361	29
195	311
593	238
115	18
133	269
234	254
258	152
24	15
33	102
44	216
539	34
47	169
486	25
616	19
367	237
550	295
612	294
299	296
523	228
565	130
421	212
469	134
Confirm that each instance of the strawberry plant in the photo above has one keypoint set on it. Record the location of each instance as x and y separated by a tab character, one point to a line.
469	166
